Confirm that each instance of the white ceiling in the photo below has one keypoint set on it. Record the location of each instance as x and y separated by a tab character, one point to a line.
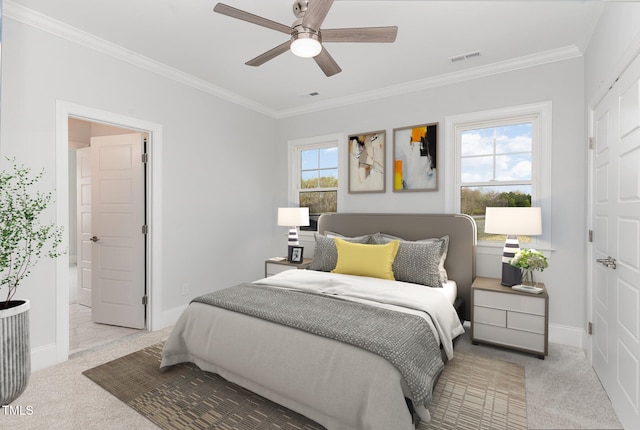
188	36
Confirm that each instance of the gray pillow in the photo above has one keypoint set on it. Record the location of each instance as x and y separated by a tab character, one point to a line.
325	255
419	262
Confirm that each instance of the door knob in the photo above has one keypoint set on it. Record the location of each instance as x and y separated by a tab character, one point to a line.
609	262
94	239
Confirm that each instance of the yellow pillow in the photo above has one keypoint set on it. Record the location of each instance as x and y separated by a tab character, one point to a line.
361	259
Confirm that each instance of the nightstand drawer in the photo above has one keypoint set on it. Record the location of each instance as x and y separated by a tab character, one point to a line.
490	316
508	337
515	302
527	322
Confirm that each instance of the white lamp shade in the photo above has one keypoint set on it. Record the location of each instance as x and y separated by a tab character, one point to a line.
293	217
514	221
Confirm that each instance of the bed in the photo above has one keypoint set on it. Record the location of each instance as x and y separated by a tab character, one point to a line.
322	360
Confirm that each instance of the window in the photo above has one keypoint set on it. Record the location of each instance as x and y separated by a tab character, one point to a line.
500	161
314	182
318	184
495	169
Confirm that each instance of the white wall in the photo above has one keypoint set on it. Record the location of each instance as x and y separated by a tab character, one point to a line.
615	42
218	216
563	84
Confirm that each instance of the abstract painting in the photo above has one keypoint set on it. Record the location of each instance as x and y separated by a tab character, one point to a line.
366	162
415	158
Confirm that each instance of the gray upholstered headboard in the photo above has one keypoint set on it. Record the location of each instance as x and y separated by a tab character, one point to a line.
461	258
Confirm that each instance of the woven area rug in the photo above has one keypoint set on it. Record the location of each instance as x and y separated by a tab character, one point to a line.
472	393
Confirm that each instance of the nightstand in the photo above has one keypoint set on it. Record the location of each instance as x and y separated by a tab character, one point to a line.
509	318
271	267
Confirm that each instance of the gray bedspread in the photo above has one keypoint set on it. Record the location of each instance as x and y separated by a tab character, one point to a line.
405	340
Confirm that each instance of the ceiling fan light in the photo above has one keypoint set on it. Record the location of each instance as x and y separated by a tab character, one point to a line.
306	47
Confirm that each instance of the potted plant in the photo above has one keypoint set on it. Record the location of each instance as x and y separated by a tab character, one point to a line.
528	260
24	239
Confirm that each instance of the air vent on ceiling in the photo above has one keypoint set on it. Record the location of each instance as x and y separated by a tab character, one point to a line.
466	56
311	94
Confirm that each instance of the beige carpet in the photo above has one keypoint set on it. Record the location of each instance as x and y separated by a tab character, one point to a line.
473	392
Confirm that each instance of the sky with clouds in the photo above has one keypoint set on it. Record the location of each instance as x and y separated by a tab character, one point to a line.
322	161
497	154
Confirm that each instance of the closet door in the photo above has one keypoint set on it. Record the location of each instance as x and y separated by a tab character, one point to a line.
615	346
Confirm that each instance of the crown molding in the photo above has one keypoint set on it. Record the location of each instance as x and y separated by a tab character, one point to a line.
511	65
47	24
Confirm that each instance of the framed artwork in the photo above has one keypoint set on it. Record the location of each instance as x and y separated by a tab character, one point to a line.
366	162
415	158
295	254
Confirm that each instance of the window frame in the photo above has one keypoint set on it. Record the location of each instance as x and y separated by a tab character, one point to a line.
295	147
540	114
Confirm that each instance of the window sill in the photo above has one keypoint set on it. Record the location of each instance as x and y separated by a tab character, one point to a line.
495	248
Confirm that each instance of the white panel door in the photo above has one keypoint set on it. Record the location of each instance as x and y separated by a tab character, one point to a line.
615	345
83	192
117	203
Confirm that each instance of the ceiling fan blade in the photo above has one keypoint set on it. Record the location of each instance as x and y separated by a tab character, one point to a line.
327	63
366	34
269	55
316	13
249	17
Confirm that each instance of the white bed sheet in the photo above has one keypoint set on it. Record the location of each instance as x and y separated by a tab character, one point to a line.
450	290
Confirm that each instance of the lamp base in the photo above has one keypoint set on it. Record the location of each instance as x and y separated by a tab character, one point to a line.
292	238
510	275
292	241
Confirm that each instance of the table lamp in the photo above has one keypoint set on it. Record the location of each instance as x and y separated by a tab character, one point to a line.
293	218
512	222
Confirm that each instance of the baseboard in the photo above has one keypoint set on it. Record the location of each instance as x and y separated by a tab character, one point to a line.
586	345
47	355
565	335
43	357
169	317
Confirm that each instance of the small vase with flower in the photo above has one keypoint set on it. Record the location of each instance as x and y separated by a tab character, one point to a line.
528	260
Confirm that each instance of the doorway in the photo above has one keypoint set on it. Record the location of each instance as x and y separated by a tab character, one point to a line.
102	284
156	318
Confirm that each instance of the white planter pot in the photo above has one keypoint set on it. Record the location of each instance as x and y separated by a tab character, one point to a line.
15	352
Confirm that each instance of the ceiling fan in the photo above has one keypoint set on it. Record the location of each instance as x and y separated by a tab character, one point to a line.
306	36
